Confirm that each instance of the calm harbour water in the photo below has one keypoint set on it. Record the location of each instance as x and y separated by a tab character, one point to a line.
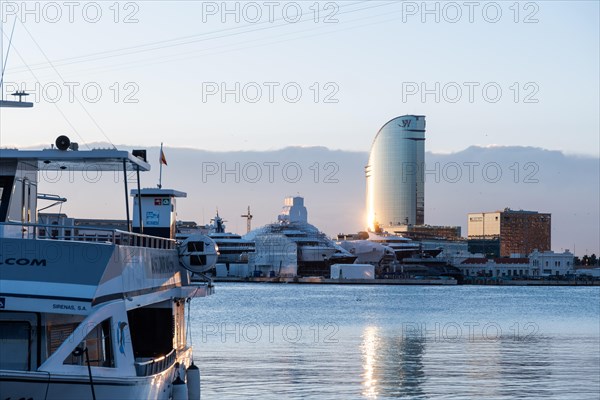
276	341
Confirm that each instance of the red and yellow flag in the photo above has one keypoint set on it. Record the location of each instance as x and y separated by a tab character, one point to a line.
163	159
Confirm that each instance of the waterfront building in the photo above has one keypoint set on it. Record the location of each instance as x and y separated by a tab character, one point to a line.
551	263
497	267
516	231
395	174
538	264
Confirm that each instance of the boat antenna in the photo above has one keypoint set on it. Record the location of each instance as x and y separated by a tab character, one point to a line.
4	61
3	64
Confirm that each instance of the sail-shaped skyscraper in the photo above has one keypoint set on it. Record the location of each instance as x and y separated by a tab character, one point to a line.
395	174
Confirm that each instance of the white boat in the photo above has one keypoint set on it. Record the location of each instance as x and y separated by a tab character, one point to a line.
233	248
314	252
368	252
402	246
91	316
293	247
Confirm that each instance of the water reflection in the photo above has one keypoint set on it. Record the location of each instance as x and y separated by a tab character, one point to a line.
416	366
411	374
369	349
393	366
371	355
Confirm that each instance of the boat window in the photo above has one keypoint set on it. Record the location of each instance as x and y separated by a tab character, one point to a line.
195	247
198	260
58	333
6	183
99	345
152	331
58	328
15	338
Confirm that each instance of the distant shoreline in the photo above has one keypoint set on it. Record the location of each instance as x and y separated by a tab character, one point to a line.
407	282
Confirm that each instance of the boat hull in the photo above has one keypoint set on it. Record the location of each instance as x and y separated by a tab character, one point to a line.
315	253
44	385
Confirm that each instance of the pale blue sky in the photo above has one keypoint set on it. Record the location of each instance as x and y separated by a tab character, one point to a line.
369	55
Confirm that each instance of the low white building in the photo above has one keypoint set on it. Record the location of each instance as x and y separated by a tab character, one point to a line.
551	263
538	264
496	267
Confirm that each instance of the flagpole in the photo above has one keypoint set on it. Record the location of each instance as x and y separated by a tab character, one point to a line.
160	162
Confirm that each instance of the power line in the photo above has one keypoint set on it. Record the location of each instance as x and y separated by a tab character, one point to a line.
55	105
74	96
126	51
166	59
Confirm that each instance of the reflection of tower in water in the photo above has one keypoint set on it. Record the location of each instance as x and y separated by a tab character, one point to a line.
393	366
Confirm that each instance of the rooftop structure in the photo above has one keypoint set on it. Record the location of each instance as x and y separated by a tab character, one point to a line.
293	210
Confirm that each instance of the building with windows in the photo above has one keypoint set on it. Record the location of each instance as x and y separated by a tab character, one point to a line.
519	232
550	263
538	264
497	267
395	174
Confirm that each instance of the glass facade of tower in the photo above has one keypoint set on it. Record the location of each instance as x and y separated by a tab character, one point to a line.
395	174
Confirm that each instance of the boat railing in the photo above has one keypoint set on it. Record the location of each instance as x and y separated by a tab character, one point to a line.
155	365
90	234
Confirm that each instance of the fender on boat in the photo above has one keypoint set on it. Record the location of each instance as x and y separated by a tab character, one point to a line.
193	382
